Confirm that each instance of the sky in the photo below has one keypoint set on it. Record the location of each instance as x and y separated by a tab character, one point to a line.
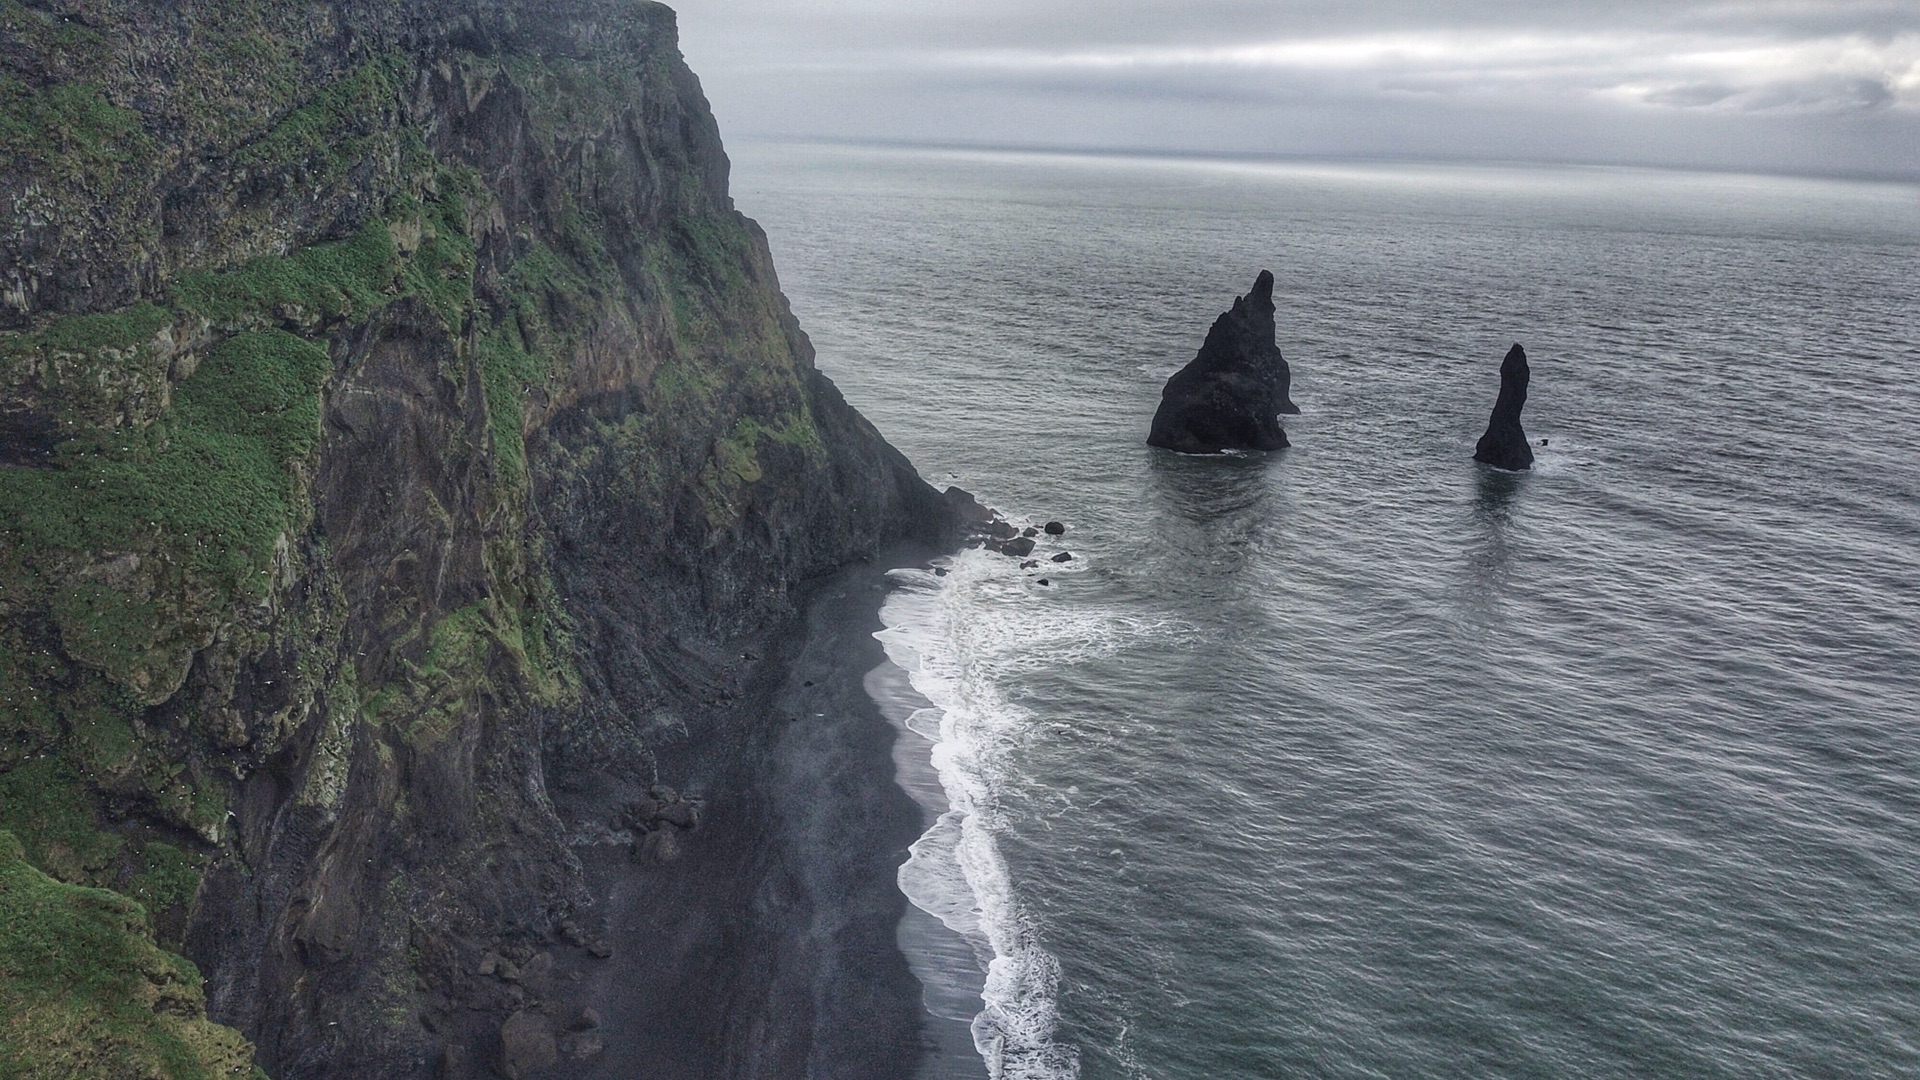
1805	86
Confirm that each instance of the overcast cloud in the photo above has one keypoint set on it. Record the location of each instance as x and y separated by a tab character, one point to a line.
1763	84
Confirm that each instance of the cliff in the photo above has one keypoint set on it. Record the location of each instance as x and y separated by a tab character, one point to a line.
401	435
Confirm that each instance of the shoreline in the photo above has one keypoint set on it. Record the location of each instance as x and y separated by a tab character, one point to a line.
771	945
952	980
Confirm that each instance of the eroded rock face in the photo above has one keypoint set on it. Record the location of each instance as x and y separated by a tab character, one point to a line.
1231	395
1504	446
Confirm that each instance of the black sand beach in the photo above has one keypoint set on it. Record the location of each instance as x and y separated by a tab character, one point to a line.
767	946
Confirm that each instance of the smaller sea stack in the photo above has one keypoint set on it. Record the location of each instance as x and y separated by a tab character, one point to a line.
1504	446
1231	395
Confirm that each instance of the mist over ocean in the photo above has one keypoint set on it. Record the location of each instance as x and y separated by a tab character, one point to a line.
1358	759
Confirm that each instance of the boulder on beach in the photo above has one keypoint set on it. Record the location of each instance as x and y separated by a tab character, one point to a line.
1504	446
1056	528
526	1045
1231	395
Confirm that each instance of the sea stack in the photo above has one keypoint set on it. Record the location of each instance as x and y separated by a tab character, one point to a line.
1231	395
1504	446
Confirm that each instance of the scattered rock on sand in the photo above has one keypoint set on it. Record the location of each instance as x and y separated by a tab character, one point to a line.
526	1045
662	806
660	845
682	814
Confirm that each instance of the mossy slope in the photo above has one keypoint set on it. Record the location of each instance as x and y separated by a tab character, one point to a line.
85	993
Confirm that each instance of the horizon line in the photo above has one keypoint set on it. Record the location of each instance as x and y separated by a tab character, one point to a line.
1911	179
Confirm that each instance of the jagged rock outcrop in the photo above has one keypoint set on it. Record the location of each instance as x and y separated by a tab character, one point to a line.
401	434
1504	446
1231	395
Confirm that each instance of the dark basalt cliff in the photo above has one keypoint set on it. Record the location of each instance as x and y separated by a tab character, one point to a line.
407	457
1231	395
1504	445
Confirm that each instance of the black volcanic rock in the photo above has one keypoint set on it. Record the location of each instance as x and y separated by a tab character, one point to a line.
1231	395
1504	446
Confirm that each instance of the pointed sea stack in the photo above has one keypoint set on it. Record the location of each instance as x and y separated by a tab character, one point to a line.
1231	395
1504	446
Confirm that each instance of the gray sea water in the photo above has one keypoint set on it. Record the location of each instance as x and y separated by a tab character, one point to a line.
1359	759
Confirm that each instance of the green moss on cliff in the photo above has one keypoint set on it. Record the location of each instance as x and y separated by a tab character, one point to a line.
479	656
43	803
517	355
108	330
507	370
441	268
30	723
347	278
71	131
197	503
89	373
736	461
243	65
77	45
336	129
85	993
167	878
135	545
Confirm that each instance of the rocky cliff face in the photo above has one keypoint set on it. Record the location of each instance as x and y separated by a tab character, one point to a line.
398	424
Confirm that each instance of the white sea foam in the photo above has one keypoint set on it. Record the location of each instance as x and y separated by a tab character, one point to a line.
958	637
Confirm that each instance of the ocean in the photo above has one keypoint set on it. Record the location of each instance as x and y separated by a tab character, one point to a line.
1360	759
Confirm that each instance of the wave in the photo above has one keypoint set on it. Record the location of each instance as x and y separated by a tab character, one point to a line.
955	871
958	634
